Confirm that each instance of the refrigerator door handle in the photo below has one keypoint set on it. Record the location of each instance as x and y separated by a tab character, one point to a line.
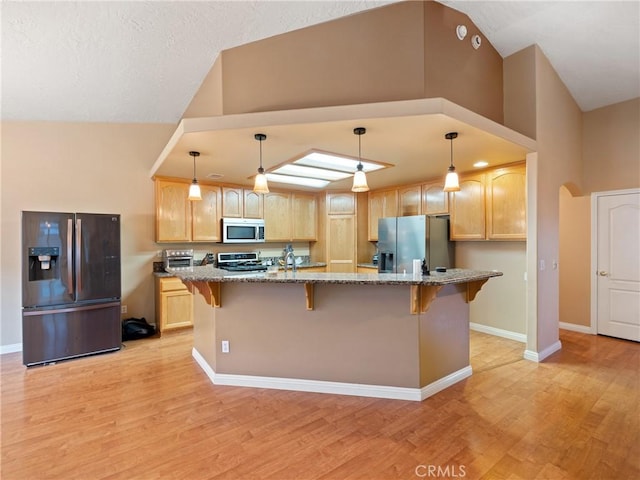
70	256
79	255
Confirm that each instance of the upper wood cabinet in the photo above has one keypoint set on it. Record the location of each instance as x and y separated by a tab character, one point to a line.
409	201
341	203
241	203
382	204
490	205
205	215
304	209
232	202
277	217
506	190
435	201
290	217
173	211
467	220
252	206
180	220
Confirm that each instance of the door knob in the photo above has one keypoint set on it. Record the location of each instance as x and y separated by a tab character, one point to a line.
602	273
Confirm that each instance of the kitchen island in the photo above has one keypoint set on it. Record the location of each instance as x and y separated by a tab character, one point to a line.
380	335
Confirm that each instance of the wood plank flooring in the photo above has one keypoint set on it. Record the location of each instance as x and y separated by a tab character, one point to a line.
149	412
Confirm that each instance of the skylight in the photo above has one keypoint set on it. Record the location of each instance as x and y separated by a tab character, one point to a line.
317	169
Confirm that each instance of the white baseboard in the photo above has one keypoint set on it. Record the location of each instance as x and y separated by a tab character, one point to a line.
337	388
16	347
540	356
498	332
577	328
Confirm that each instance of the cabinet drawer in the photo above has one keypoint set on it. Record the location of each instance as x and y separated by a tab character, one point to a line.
172	284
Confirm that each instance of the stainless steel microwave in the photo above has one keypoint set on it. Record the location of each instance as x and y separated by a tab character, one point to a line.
242	230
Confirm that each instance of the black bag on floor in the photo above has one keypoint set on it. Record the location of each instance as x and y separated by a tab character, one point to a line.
135	328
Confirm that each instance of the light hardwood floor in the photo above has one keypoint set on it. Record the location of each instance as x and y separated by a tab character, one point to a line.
149	412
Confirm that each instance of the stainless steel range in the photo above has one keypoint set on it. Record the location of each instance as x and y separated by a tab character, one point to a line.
240	262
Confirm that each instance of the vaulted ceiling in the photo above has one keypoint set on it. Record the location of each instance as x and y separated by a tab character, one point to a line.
144	61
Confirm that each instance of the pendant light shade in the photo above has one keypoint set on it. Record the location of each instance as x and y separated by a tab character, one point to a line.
360	178
451	183
194	188
260	185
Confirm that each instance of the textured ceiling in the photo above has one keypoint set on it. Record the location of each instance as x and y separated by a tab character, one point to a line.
143	61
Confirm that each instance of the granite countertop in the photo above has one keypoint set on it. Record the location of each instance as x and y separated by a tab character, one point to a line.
452	276
368	265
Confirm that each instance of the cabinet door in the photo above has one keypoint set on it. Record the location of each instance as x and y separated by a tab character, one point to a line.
177	310
232	201
205	215
506	203
305	219
382	204
341	244
341	203
435	201
277	217
253	206
174	304
409	201
173	212
468	209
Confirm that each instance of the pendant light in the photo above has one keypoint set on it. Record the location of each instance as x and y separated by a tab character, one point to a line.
451	183
194	189
360	178
260	184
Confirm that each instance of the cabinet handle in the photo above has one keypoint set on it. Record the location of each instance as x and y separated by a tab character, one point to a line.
602	273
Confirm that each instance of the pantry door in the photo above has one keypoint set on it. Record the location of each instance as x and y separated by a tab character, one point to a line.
617	263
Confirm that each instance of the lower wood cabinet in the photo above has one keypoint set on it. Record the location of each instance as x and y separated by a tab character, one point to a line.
174	304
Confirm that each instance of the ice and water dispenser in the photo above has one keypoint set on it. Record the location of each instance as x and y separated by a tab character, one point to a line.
43	263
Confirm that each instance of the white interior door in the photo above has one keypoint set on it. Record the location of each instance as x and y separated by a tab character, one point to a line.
617	249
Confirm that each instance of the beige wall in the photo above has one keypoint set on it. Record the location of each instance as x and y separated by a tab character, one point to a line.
559	136
501	303
520	92
402	51
611	147
575	257
80	167
558	130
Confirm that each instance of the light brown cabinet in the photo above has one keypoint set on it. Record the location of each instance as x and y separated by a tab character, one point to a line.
174	304
173	211
506	190
241	203
490	205
180	220
467	221
382	204
290	217
252	206
205	215
341	231
409	201
435	201
304	212
277	217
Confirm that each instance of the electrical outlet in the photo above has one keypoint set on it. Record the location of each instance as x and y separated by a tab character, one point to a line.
123	309
225	346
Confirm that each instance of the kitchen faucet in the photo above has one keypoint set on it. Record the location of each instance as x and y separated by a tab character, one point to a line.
293	259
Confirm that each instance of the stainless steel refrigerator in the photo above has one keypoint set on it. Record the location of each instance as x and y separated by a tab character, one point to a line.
70	285
403	239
